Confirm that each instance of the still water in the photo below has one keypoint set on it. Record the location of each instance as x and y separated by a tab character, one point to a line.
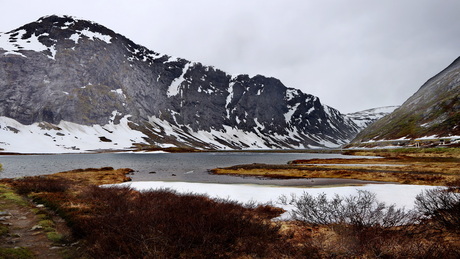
184	167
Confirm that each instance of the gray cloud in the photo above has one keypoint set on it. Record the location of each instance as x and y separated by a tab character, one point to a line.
354	54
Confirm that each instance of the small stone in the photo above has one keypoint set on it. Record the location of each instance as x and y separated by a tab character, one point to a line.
4	213
40	206
36	227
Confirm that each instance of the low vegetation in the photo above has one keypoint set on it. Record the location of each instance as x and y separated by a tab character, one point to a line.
119	222
361	227
437	166
362	210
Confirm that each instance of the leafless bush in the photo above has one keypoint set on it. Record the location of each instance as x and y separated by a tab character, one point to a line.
361	210
358	226
442	206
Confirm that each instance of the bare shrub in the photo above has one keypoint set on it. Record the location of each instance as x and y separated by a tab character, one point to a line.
361	210
442	206
353	226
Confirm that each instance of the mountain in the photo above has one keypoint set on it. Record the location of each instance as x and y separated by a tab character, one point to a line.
67	82
433	111
367	117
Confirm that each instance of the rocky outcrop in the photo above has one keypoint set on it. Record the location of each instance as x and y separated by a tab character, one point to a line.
64	69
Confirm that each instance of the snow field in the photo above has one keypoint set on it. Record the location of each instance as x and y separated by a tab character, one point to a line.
402	196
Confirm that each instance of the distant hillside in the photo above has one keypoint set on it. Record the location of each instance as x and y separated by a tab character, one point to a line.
367	117
434	110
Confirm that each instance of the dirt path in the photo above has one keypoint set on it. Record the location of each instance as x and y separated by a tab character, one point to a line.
22	235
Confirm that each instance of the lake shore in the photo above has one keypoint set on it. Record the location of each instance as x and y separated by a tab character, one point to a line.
437	167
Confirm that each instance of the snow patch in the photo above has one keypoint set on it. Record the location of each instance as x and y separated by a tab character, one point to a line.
119	91
67	137
13	43
403	196
96	35
288	115
174	88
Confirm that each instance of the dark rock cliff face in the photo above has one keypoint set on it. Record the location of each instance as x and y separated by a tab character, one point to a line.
62	69
434	110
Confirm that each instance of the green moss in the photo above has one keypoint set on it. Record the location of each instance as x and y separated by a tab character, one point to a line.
54	236
9	195
46	223
16	253
3	230
42	216
1	167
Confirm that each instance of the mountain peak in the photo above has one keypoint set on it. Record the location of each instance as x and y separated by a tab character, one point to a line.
62	70
52	23
47	32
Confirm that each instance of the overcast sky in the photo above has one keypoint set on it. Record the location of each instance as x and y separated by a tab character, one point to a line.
352	54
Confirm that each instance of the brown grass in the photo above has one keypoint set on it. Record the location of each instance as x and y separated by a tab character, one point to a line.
123	223
96	176
406	169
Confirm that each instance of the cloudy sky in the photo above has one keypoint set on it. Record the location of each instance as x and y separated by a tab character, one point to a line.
353	54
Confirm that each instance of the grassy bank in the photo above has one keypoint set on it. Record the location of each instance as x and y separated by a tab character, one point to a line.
440	166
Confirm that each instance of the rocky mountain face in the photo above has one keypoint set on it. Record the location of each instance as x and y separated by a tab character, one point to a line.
369	116
434	110
64	70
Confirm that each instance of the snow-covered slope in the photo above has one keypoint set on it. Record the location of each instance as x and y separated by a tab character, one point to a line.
367	117
65	70
66	137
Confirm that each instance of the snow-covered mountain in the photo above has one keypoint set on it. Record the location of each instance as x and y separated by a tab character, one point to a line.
72	84
367	117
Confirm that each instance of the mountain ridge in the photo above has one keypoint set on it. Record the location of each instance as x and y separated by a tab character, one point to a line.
434	110
64	69
366	117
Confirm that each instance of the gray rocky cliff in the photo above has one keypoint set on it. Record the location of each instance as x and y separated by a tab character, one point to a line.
63	69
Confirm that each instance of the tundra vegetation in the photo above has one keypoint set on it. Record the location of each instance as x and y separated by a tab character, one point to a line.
435	166
119	222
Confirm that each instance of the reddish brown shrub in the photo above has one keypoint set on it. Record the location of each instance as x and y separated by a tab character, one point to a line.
28	185
163	223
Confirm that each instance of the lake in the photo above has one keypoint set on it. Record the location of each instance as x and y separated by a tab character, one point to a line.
182	167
